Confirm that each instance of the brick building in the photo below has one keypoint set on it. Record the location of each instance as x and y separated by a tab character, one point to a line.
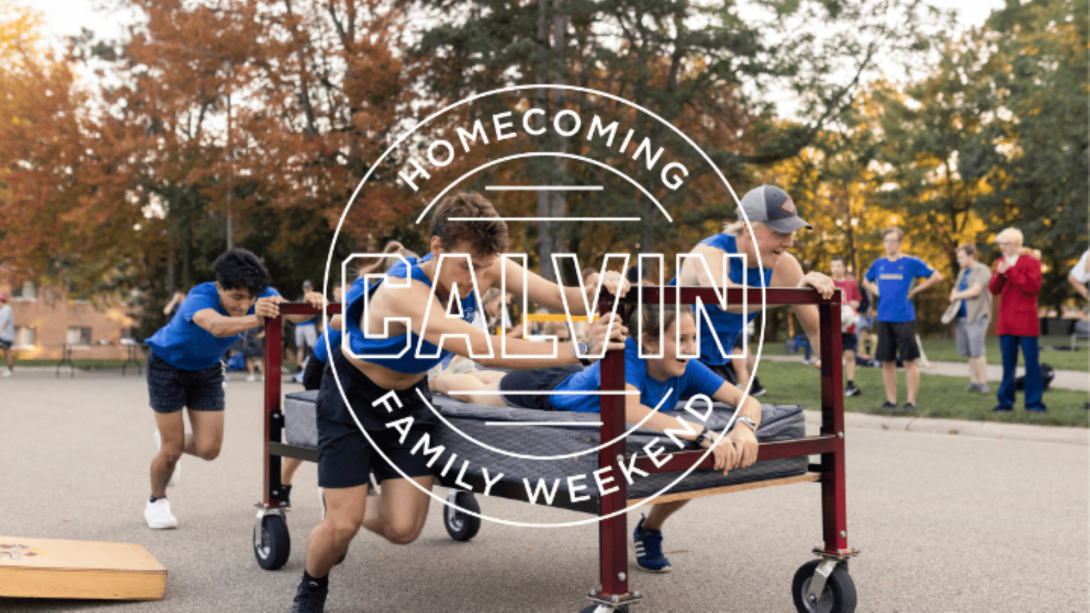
46	321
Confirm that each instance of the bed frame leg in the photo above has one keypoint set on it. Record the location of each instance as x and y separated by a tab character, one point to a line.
834	505
274	416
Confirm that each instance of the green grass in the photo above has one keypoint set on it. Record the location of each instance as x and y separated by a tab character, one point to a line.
945	350
939	396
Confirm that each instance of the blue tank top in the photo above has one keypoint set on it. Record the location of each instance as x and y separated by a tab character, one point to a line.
727	325
399	351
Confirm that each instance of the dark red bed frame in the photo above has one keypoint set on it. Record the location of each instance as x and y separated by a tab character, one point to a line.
614	590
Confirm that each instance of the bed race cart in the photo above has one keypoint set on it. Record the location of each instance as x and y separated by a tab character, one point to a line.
629	463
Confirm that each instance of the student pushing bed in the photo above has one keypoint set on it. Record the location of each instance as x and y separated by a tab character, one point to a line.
383	388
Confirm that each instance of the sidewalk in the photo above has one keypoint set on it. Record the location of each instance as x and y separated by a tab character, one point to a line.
962	427
1065	379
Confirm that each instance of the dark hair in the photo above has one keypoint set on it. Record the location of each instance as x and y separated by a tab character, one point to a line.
839	258
653	316
485	237
241	269
968	248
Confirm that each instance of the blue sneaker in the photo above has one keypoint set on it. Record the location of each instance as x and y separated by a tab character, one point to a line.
648	545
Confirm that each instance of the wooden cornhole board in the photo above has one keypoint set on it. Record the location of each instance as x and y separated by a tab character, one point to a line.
52	568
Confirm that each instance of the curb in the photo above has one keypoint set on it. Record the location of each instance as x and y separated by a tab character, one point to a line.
982	429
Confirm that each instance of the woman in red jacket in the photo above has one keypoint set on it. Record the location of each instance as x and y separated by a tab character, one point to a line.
1017	279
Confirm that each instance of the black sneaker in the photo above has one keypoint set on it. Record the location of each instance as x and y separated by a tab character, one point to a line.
309	598
889	406
909	406
286	497
757	389
851	390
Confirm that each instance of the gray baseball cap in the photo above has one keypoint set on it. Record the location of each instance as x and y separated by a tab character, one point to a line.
772	206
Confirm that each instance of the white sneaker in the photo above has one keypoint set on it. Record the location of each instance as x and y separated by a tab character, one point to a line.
7	373
159	516
251	378
175	477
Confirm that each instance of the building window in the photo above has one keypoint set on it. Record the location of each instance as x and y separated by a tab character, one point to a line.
25	338
79	336
28	292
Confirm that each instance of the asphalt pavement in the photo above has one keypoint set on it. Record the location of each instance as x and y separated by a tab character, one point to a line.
944	522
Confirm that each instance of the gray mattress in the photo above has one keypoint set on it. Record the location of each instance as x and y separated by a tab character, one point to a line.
779	422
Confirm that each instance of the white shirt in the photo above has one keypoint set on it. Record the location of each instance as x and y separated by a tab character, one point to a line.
1080	269
7	324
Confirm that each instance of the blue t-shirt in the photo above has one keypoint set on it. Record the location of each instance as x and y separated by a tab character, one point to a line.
964	285
727	326
388	348
185	345
698	379
321	353
894	282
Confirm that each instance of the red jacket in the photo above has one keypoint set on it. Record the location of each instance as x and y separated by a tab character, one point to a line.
1019	288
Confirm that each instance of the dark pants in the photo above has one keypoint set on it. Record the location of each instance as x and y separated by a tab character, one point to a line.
1034	387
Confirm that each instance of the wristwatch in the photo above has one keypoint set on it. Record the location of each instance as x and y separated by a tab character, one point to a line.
742	419
579	350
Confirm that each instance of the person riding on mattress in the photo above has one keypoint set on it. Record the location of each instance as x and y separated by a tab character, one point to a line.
660	381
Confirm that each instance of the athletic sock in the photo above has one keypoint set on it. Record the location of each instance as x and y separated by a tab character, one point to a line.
153	499
322	582
850	383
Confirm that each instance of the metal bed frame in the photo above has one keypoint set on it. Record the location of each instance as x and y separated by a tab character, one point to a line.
819	585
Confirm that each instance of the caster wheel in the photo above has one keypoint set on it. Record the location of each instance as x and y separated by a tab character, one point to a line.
601	608
272	543
461	526
838	596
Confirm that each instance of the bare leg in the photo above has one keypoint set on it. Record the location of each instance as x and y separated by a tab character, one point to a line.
742	370
978	369
207	434
401	510
9	354
329	540
912	379
849	364
448	382
250	366
660	512
488	376
287	470
172	434
889	378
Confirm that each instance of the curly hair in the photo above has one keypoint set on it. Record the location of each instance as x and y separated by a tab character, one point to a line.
485	237
241	269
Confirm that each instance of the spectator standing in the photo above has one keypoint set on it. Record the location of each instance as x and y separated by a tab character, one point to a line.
306	332
848	340
7	333
974	309
1017	280
253	350
890	280
1080	275
865	324
171	309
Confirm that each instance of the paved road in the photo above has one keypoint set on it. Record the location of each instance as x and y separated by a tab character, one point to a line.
945	523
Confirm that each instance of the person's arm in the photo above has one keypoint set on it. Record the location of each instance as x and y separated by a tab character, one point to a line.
335	323
972	291
1026	278
713	276
788	273
1078	285
999	279
725	455
744	439
222	326
548	294
170	305
7	323
411	302
314	299
935	277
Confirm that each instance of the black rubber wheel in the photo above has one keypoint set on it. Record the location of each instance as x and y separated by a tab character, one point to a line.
272	543
462	526
838	596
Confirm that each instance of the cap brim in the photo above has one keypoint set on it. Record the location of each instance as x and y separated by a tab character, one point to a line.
788	225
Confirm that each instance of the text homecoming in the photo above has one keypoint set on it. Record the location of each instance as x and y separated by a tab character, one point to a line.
566	123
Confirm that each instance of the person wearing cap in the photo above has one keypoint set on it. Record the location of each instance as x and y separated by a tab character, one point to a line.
306	332
7	333
890	279
774	219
